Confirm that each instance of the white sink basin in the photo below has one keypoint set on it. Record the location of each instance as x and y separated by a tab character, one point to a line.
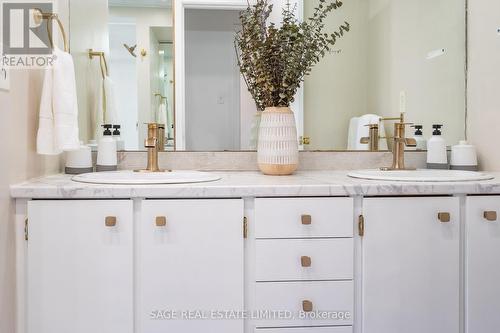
140	178
421	175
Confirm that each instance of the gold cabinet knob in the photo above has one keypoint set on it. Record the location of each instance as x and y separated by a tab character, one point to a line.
306	219
305	261
110	221
490	216
161	221
307	306
444	217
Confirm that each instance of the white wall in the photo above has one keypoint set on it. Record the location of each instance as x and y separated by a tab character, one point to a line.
123	72
401	34
88	31
212	81
484	81
18	126
336	90
384	54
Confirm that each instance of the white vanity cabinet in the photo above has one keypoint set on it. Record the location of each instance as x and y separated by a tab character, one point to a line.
423	264
482	264
411	265
190	266
79	266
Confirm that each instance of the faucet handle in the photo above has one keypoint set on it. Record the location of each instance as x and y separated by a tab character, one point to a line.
410	142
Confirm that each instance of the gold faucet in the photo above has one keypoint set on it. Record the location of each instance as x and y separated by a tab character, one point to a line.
373	139
152	143
399	144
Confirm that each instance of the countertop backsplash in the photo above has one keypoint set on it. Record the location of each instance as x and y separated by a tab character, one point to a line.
247	161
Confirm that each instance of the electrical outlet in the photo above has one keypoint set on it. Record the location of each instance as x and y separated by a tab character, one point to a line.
4	79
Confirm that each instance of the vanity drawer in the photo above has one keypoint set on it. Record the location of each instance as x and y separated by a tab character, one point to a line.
304	259
331	298
342	329
304	217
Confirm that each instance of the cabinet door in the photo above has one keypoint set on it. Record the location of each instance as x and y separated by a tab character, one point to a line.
191	266
411	265
80	269
483	268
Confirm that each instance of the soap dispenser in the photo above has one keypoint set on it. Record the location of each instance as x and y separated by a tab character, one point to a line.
437	155
419	137
120	144
106	151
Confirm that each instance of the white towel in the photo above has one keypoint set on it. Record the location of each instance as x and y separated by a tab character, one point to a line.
111	111
58	118
162	114
353	134
96	100
358	130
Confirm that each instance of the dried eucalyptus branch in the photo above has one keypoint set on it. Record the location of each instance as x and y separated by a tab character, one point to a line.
274	60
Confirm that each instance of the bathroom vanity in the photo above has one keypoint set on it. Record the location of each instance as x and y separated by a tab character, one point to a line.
317	252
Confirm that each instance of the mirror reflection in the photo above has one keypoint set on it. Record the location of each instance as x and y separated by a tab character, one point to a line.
136	41
400	55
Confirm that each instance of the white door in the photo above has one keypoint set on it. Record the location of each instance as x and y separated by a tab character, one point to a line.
80	266
190	266
483	264
411	265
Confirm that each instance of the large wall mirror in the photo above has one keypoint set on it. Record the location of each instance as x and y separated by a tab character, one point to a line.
410	48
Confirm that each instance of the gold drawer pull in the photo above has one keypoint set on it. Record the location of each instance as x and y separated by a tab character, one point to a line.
307	306
306	219
490	216
161	221
110	221
444	217
305	261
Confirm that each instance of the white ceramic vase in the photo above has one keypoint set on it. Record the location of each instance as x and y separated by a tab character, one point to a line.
278	147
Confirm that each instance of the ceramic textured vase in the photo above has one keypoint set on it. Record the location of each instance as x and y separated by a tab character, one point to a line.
278	147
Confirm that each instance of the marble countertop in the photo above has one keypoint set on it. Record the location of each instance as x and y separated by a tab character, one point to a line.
249	184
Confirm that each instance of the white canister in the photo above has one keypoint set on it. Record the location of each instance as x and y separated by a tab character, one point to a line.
464	157
79	161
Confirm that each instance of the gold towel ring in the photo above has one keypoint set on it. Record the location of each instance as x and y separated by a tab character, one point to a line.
102	61
39	16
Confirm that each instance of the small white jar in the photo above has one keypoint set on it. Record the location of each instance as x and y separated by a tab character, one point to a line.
79	161
464	157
